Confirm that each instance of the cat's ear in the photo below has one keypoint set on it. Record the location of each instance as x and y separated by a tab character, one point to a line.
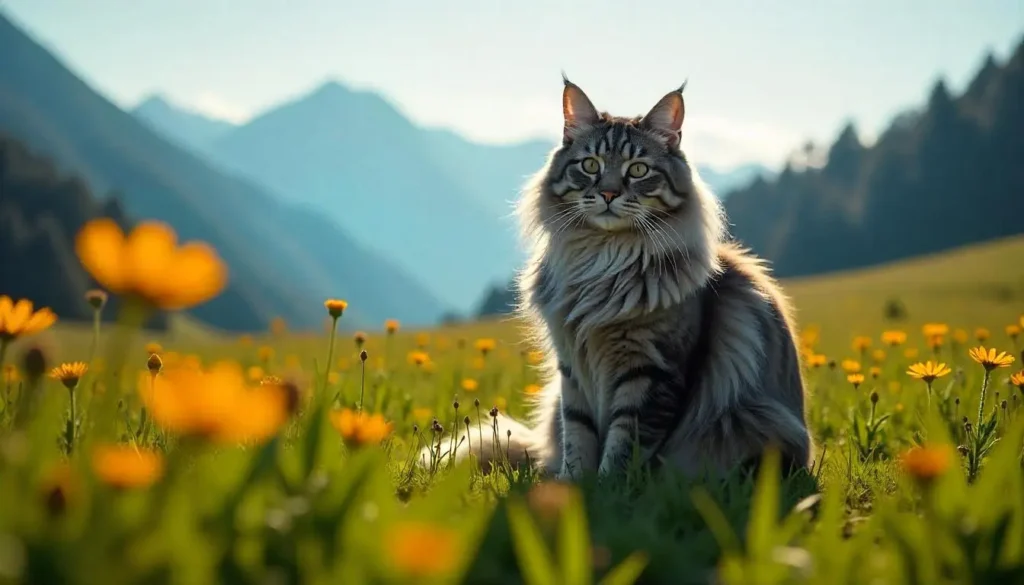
666	117
577	109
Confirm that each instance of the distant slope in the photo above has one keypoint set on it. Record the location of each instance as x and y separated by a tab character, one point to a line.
354	158
183	127
946	176
283	259
40	214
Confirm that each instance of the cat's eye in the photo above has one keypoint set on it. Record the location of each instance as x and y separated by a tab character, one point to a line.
590	165
637	170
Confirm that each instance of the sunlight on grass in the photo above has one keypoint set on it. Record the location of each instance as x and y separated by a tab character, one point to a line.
199	457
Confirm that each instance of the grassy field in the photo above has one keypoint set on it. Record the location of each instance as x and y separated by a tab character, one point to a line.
195	473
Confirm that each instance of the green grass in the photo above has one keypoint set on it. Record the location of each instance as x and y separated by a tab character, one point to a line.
309	507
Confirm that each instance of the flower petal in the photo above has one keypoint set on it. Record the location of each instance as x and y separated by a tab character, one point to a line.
42	319
6	305
18	317
198	275
99	245
149	254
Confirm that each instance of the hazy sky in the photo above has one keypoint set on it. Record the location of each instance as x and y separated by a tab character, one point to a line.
763	75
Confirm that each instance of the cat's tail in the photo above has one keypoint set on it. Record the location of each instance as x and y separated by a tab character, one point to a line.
498	440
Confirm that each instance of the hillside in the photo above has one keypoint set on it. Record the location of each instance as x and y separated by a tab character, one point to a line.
283	259
40	213
946	176
184	128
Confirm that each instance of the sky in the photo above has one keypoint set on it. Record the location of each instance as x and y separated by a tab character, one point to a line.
763	76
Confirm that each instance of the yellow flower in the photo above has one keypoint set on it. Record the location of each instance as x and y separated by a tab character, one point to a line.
149	264
894	338
255	373
935	342
333	378
391	326
122	466
925	464
422	340
18	319
422	550
1013	330
851	366
69	374
418	358
855	379
898	408
809	335
1018	379
928	371
982	334
485	345
532	389
534	357
265	353
935	329
989	359
154	347
878	355
816	360
335	307
358	428
875	372
470	385
910	353
960	336
216	404
861	343
278	326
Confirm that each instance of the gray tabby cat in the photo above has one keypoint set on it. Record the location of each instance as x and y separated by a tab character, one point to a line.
664	334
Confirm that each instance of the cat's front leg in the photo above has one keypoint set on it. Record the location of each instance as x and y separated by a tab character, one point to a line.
580	443
642	410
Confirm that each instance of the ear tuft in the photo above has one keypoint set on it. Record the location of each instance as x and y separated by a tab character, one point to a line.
666	117
577	110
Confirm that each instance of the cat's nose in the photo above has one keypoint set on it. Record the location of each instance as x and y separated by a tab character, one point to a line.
609	195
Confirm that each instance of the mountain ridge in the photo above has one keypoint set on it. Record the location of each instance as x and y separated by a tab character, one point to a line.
276	272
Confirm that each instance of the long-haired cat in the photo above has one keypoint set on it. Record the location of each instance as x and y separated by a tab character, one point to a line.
662	333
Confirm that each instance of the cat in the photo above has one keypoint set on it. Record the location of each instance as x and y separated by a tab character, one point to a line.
664	334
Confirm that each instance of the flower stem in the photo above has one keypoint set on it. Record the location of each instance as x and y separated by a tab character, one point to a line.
73	429
132	316
929	386
330	350
95	335
981	402
362	383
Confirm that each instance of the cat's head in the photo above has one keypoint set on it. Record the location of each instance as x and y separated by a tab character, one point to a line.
623	175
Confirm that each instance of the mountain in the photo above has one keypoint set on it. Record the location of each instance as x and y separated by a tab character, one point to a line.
724	181
947	175
353	157
181	126
40	214
283	259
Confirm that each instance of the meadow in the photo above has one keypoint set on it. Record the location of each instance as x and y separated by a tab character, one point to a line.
195	457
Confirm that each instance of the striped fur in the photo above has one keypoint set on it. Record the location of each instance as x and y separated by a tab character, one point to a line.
660	330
